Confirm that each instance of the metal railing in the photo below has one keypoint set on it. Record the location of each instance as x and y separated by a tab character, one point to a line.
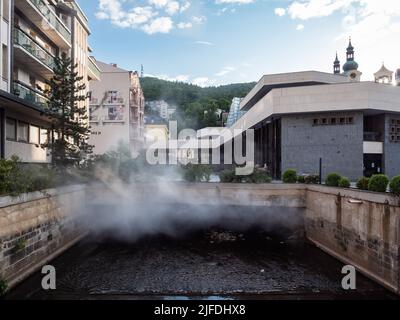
26	42
93	67
52	18
29	94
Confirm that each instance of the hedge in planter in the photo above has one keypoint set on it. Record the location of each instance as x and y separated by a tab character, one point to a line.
332	180
344	182
311	179
378	183
362	183
395	186
290	176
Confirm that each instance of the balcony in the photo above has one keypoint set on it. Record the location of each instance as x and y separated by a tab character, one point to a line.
93	70
114	118
114	101
46	20
33	96
4	84
30	54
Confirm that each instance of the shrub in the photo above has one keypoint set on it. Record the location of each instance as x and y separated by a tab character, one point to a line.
197	172
395	186
301	179
290	176
378	183
311	179
344	182
3	287
258	176
229	176
332	180
362	183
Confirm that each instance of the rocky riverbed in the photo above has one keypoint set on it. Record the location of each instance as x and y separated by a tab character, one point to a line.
207	264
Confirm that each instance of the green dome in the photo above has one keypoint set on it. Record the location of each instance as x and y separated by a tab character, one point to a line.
350	65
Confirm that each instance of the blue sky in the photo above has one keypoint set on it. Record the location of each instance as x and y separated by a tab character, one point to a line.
214	42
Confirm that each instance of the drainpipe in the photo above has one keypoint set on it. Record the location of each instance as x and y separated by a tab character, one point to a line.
320	170
11	48
2	134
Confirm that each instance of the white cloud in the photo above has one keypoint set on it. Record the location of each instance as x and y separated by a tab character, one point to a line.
184	25
204	43
159	25
172	7
198	81
373	24
280	12
234	1
225	71
300	27
199	19
185	6
155	16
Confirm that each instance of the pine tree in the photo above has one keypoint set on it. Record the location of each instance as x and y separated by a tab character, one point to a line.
68	142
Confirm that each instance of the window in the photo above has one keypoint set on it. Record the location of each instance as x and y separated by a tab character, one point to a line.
350	120
34	134
44	135
394	130
333	121
342	120
324	121
5	62
23	131
11	126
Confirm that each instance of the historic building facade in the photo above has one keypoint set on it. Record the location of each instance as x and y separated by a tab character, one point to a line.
116	110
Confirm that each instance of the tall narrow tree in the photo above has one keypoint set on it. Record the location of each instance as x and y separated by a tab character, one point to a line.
68	142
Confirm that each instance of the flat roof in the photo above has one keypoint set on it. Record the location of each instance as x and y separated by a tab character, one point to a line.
286	80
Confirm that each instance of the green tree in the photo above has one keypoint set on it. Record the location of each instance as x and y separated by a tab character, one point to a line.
69	141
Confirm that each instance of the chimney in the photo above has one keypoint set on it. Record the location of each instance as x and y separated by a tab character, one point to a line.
114	65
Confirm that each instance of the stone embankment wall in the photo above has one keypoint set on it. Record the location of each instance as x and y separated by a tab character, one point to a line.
36	227
359	228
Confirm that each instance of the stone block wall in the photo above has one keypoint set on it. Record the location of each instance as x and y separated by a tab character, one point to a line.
36	227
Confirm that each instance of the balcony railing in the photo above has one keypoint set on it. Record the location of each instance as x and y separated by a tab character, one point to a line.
94	68
372	136
4	84
52	18
29	94
26	42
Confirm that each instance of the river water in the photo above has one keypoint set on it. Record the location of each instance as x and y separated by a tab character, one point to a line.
206	264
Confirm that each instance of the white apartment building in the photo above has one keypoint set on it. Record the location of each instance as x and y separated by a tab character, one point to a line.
40	32
116	110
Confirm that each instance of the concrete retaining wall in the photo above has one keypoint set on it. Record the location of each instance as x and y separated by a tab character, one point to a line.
358	228
36	227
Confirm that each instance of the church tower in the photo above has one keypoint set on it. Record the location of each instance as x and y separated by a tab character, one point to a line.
384	75
350	68
336	65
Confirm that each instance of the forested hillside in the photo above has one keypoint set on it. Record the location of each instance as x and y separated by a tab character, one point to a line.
196	106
